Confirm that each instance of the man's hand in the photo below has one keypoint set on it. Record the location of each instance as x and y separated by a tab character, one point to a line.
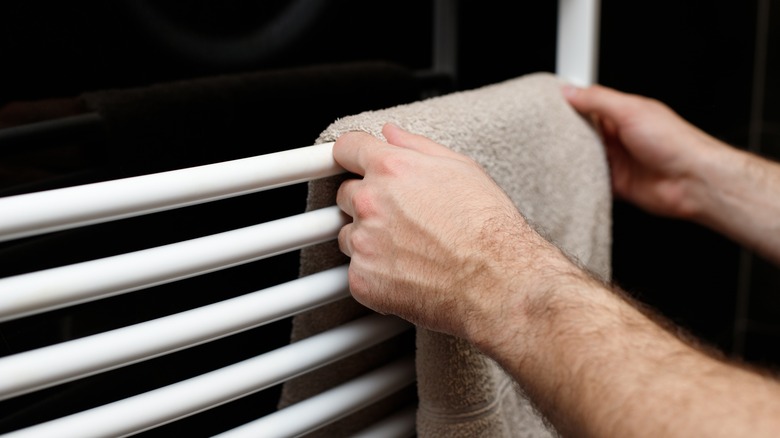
434	239
655	155
667	166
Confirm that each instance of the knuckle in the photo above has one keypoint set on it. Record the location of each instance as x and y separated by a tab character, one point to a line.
361	243
364	204
343	240
357	284
342	193
392	164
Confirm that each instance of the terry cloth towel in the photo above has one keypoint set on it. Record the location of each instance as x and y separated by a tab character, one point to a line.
551	163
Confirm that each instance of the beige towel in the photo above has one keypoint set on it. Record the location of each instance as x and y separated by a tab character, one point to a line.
552	165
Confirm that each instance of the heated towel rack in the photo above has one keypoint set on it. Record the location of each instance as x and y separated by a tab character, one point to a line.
30	294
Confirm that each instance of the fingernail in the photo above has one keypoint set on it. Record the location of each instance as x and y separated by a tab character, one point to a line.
569	91
393	125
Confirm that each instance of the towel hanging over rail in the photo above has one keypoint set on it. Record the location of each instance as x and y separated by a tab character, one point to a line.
552	164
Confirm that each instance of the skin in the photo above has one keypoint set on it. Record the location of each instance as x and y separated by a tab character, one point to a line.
434	240
669	167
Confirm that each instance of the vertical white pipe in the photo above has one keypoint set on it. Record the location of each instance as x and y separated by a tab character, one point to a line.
576	57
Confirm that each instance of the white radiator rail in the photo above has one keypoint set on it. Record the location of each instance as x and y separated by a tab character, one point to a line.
30	371
401	424
42	212
319	411
50	289
182	399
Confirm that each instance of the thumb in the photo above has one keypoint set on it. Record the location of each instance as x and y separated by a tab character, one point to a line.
598	100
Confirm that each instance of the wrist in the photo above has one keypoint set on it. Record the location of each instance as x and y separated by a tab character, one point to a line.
716	179
534	292
713	169
737	195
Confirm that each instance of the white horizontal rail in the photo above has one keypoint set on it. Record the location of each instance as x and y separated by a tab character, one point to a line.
329	406
53	210
402	424
182	399
50	289
33	370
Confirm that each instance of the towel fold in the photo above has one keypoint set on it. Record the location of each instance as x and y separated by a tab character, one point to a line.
551	163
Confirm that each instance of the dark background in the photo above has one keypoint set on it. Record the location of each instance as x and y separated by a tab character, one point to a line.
715	62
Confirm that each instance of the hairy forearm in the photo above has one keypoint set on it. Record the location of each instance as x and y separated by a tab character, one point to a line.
596	365
471	266
739	196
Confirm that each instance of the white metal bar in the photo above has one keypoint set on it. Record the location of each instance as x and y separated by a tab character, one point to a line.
33	370
41	291
53	210
402	424
576	57
329	406
182	399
